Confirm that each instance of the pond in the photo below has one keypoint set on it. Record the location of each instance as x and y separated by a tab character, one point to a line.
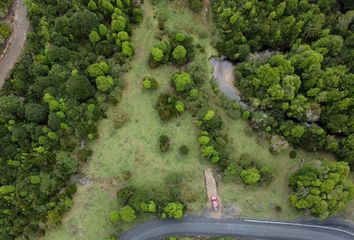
223	73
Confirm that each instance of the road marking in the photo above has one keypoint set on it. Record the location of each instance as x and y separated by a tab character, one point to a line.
301	225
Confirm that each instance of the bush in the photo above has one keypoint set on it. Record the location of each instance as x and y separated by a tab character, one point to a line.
127	214
292	154
125	194
184	150
114	216
150	83
164	143
250	176
166	107
195	5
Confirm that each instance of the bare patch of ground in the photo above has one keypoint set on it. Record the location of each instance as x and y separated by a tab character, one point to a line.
211	189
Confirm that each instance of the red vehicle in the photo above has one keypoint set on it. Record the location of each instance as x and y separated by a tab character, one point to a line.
215	203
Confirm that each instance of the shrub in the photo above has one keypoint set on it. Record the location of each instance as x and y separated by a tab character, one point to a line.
180	106
250	176
166	107
173	210
125	194
150	83
292	154
179	54
164	143
184	150
114	216
182	81
127	214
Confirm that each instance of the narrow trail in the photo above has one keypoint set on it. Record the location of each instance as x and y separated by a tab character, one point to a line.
17	41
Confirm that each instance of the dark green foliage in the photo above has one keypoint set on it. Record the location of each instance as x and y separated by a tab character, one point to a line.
82	23
125	194
36	113
50	107
292	154
166	106
5	5
198	71
164	142
184	150
79	87
178	48
322	188
195	5
304	92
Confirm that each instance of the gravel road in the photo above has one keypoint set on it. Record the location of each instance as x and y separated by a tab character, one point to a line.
18	40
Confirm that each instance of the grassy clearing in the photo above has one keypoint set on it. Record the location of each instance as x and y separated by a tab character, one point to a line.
134	146
258	201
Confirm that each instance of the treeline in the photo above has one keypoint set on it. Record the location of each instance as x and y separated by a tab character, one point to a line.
5	33
5	29
50	106
5	6
302	87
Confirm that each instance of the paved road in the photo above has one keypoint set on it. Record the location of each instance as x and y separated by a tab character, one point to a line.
236	228
20	28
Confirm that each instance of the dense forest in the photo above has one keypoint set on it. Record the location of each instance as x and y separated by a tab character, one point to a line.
295	68
51	104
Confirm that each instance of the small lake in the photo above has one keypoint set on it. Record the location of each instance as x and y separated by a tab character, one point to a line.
223	73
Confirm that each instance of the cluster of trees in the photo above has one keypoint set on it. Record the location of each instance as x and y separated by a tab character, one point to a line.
304	90
178	48
249	172
322	188
5	6
141	201
213	144
5	33
50	105
249	26
294	95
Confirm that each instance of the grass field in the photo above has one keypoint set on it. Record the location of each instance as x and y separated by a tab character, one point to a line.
134	146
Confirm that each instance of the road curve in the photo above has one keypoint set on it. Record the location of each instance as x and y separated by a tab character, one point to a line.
236	228
19	35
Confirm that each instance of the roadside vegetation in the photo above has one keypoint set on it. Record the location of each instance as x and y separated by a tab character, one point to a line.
5	6
5	33
5	28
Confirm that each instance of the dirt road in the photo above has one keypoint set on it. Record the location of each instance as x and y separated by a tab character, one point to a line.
18	39
211	188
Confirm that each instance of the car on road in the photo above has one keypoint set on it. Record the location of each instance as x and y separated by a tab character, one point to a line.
215	203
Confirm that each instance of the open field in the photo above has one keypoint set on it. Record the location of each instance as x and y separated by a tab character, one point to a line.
134	147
